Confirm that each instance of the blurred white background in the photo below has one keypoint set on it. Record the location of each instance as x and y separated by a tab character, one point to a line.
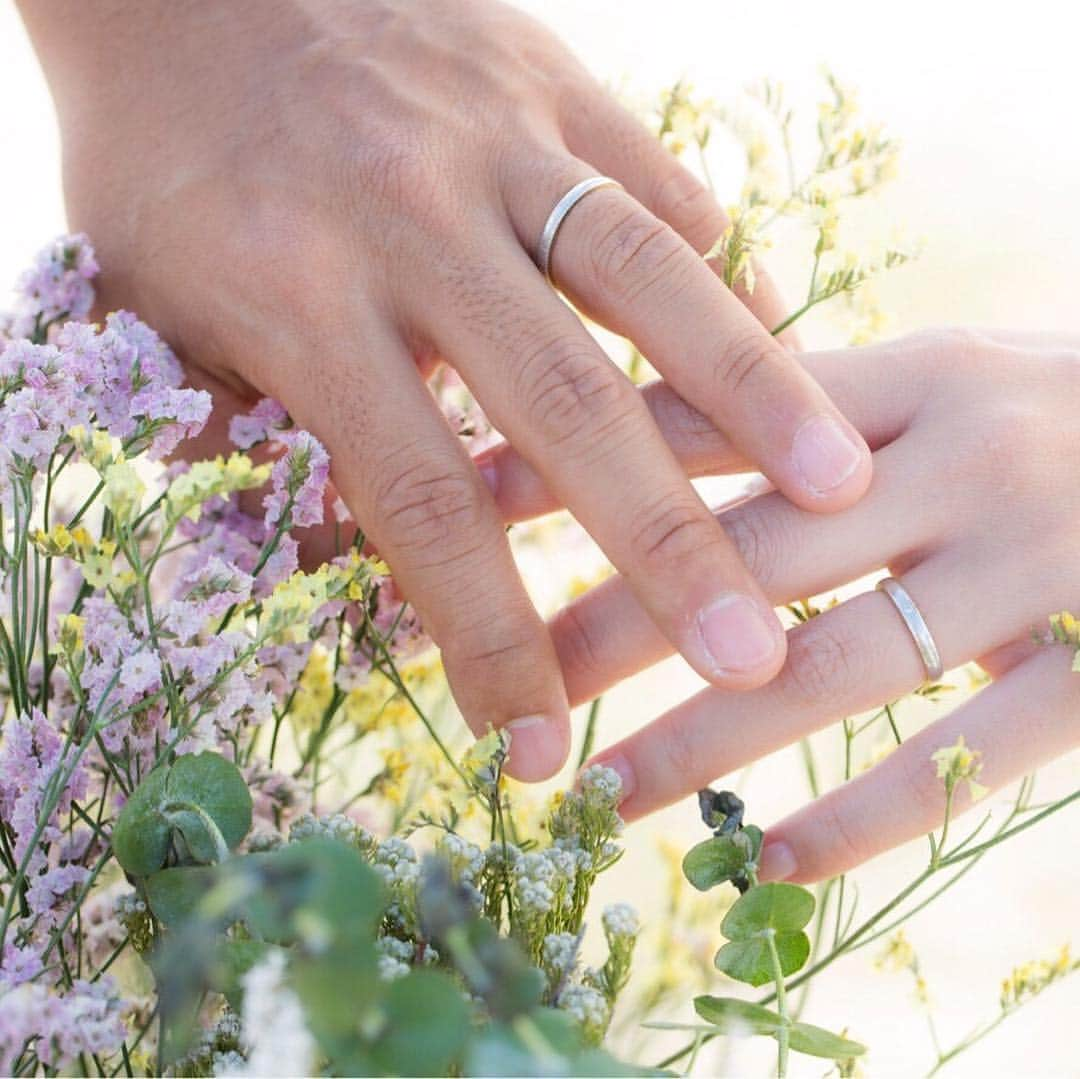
983	99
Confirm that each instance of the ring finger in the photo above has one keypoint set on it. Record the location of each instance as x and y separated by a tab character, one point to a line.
844	661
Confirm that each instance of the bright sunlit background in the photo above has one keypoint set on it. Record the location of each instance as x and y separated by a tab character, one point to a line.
983	100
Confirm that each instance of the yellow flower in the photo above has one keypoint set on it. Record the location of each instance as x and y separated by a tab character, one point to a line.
123	491
205	479
98	563
57	541
957	763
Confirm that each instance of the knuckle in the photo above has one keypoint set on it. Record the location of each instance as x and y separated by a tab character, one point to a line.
760	546
923	793
823	663
743	360
682	755
634	253
567	391
671	530
424	507
690	209
579	646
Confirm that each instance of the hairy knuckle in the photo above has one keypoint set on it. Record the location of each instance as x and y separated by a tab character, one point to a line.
568	391
822	663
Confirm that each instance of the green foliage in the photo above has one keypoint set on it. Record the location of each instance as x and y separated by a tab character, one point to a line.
766	941
194	810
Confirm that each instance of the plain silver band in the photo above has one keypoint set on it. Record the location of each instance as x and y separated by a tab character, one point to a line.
558	216
916	624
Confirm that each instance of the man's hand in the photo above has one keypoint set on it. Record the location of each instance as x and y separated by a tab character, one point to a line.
319	200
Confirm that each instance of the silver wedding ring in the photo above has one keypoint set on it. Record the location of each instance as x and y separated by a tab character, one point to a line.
916	624
558	216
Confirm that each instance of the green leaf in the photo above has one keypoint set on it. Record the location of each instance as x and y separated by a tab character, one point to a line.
735	1016
816	1042
174	894
171	798
427	1024
140	837
749	961
783	907
713	862
201	836
216	786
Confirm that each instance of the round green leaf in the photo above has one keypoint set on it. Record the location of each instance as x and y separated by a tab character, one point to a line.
737	1016
200	834
714	861
174	894
427	1024
140	837
806	1038
749	961
783	907
216	786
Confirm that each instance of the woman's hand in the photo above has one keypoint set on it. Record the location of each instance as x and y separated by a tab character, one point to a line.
317	200
975	505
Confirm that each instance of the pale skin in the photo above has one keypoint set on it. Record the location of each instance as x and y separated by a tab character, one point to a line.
321	200
974	505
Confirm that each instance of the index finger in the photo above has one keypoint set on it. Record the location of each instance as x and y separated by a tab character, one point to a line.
638	277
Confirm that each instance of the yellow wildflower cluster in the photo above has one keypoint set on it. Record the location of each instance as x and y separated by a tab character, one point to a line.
1030	979
899	955
286	612
956	764
95	556
99	448
205	479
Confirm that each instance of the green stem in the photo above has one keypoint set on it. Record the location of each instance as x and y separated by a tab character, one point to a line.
782	1035
590	732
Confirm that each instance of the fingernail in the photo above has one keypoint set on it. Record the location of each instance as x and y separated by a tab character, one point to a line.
777	861
490	474
824	454
535	742
621	767
737	634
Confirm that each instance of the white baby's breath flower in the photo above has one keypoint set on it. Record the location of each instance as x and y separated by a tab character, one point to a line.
274	1032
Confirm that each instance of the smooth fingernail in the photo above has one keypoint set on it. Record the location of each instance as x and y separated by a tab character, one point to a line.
777	862
534	745
737	634
824	454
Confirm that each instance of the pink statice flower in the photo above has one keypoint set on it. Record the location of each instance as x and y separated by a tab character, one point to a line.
298	481
89	1018
263	422
56	286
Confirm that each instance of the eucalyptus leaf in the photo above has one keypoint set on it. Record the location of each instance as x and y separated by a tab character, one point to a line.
216	786
714	861
201	836
140	836
735	1016
817	1042
427	1025
170	800
750	961
174	894
780	906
